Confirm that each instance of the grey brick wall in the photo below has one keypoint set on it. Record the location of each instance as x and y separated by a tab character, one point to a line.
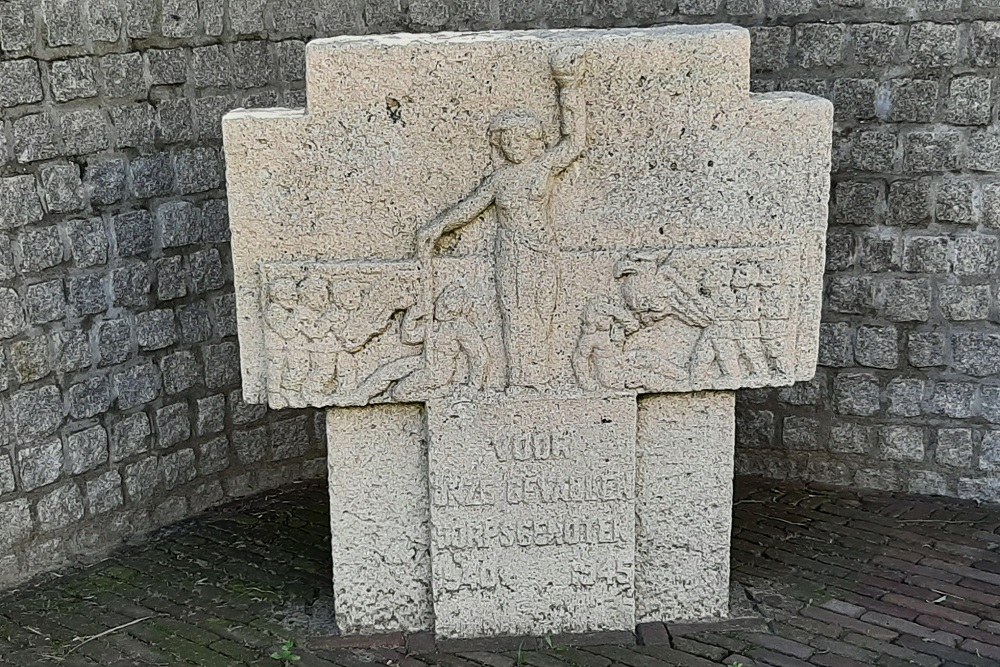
120	402
907	396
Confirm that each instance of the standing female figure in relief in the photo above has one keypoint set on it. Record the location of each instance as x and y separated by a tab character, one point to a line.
520	191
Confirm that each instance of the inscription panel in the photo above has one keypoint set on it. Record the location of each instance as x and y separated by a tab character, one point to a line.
532	514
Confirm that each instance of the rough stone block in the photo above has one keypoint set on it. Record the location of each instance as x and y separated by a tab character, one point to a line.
171	278
90	397
133	232
137	385
881	251
30	359
40	465
7	482
104	493
130	285
984	149
932	151
73	78
984	45
130	436
72	351
211	414
252	446
124	75
17	25
927	482
953	399
215	221
104	20
15	516
933	44
902	443
961	303
905	397
976	353
11	313
62	188
905	300
34	138
88	294
181	371
290	438
251	65
178	468
142	479
976	256
211	67
968	101
86	450
909	202
198	169
114	344
84	131
135	125
954	447
152	175
45	302
877	347
88	242
213	456
174	121
856	394
196	322
180	18
222	365
41	248
173	425
19	203
155	330
956	202
105	181
206	271
60	508
22	83
166	66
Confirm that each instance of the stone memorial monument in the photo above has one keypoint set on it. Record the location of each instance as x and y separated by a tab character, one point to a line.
525	272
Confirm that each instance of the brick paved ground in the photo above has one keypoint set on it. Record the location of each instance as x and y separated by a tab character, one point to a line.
822	578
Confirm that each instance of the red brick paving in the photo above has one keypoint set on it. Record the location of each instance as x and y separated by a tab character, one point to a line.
821	578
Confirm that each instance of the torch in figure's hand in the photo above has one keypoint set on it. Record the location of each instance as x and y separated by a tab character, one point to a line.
567	64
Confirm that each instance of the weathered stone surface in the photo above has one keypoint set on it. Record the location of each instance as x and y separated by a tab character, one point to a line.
379	505
539	495
86	450
526	275
593	217
684	470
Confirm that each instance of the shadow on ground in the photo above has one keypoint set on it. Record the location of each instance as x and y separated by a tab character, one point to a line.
821	577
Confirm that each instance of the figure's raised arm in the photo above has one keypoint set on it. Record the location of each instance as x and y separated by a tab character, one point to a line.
456	216
567	66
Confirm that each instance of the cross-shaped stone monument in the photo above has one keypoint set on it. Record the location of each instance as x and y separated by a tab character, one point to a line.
526	271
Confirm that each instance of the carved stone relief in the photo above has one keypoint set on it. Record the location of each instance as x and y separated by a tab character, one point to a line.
548	226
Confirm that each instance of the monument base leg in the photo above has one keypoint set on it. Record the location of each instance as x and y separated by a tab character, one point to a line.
380	519
684	505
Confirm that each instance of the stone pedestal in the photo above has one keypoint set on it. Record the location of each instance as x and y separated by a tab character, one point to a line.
525	272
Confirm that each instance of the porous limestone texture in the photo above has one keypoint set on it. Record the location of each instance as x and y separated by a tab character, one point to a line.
532	514
380	518
524	232
684	494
